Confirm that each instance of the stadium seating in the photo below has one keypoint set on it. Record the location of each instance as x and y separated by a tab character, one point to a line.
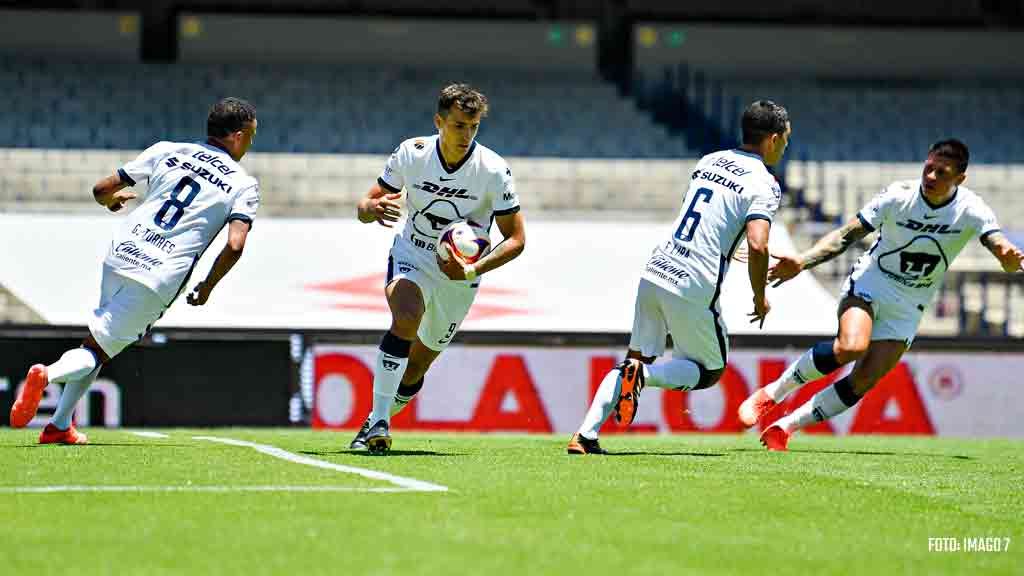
318	108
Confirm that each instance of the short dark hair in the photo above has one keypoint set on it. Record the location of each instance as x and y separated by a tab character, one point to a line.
229	115
954	150
465	97
762	119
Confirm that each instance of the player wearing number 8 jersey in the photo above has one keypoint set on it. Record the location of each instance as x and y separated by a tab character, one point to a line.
731	195
194	190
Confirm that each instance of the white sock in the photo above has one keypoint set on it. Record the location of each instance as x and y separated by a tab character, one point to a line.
602	405
74	364
796	375
73	392
387	375
675	374
823	406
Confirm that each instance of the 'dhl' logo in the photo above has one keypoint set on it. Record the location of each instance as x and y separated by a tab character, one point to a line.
912	224
444	191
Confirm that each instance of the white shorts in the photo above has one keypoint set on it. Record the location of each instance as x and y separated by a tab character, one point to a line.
893	317
696	331
126	312
446	302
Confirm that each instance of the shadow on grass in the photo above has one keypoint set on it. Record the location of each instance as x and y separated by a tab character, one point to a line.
864	453
389	454
700	454
123	444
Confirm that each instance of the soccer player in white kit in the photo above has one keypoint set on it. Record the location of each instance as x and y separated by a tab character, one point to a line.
447	177
731	195
195	189
922	224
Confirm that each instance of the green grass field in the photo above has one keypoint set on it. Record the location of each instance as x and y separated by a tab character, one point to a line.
514	505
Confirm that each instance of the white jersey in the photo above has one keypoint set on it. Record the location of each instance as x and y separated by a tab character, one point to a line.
727	189
916	240
476	189
194	190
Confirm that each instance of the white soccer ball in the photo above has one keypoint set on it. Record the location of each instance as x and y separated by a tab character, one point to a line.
468	240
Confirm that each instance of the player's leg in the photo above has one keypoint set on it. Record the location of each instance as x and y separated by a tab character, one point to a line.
420	359
881	357
73	365
700	346
856	319
407	303
647	341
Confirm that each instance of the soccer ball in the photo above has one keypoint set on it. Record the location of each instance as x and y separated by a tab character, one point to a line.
467	239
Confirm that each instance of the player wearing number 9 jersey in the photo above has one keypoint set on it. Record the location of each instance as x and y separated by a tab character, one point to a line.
731	195
195	189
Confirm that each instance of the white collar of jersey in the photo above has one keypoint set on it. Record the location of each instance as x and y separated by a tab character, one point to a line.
920	190
455	168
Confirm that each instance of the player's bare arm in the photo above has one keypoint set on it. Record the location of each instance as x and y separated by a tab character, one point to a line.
1010	257
380	205
831	245
238	231
111	194
513	228
757	267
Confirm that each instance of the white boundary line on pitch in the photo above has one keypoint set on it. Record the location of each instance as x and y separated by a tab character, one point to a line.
409	484
145	434
308	488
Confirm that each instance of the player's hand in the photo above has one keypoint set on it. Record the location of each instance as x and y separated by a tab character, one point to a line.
786	268
453	268
200	294
119	198
761	309
386	209
1013	261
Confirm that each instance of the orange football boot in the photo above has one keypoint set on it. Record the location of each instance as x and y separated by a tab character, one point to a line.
629	396
24	408
53	435
775	438
756	407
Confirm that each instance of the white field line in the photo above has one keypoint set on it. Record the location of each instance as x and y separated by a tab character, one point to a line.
409	484
150	434
186	488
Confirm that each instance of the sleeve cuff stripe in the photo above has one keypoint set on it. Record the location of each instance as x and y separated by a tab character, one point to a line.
240	217
865	222
507	211
125	177
759	217
387	186
987	234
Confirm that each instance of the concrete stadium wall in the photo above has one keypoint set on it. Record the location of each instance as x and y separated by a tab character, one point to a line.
798	51
79	35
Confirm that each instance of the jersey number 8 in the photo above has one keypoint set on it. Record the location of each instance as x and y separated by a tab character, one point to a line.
177	203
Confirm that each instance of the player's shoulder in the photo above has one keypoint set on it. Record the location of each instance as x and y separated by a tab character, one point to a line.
974	201
417	147
491	161
902	188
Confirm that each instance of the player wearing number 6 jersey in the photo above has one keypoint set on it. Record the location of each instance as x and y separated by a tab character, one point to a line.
195	189
731	195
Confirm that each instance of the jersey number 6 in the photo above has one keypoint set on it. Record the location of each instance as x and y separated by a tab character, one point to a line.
177	203
692	215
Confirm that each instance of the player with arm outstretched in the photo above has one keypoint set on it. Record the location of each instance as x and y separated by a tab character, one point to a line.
922	224
195	189
731	195
447	177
